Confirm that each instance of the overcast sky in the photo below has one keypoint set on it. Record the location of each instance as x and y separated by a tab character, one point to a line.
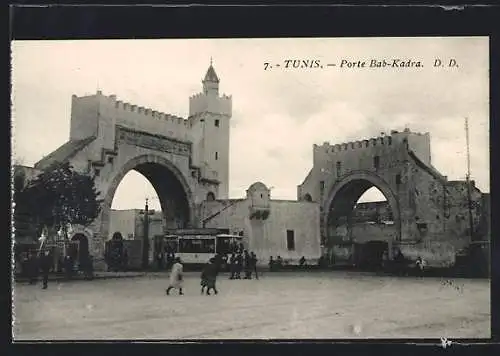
278	114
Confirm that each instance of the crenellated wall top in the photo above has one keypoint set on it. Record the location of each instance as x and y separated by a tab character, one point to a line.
140	110
366	143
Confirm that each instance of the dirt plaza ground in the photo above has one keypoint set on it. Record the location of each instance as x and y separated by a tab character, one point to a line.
285	305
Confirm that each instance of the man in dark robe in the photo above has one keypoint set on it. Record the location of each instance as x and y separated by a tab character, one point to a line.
45	266
253	258
248	265
210	276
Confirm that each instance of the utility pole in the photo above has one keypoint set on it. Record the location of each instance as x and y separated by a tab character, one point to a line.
145	239
469	198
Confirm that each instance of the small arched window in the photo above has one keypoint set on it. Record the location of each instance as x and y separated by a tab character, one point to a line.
210	196
308	197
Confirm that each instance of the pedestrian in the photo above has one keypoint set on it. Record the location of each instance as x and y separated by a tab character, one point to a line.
239	265
232	266
420	263
279	262
210	274
68	266
253	258
203	277
385	260
248	265
45	265
225	265
271	264
302	261
176	277
159	260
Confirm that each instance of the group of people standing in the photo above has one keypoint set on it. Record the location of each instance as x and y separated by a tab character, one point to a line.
243	262
36	263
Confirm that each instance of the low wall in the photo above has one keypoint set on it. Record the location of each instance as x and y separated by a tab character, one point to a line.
437	251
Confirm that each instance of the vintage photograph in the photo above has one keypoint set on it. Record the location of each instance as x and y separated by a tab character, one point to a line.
279	188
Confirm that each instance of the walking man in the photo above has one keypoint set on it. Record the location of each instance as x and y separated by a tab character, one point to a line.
204	282
45	265
176	277
239	265
232	266
420	263
248	265
253	257
210	275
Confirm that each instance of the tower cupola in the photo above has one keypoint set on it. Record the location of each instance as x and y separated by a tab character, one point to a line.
211	81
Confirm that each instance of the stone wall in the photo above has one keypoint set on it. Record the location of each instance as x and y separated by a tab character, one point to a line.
269	237
84	117
426	201
122	221
364	232
457	209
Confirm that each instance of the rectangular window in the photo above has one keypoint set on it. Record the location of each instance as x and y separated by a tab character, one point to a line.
290	240
339	168
376	162
216	122
196	245
216	156
398	178
321	187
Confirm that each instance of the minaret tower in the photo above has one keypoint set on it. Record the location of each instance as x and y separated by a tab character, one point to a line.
211	81
210	115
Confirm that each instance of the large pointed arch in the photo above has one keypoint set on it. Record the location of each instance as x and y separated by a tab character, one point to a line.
171	186
344	194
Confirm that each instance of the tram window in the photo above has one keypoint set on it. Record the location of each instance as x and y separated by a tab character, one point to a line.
196	246
223	245
227	245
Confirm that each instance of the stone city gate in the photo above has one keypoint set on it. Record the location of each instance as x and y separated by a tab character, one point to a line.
159	146
399	165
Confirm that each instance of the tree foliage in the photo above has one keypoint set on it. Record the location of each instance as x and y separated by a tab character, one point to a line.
60	196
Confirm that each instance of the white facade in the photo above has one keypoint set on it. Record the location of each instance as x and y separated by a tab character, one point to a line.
286	228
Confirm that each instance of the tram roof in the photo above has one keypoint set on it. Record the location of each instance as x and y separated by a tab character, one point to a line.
205	231
201	236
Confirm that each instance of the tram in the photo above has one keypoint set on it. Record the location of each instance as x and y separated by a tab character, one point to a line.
197	247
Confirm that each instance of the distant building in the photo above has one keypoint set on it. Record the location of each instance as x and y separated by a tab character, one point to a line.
130	224
286	228
376	211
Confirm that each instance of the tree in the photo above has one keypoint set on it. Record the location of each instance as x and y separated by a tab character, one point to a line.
60	196
23	221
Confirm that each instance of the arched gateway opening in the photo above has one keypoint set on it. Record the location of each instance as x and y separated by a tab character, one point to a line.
365	226
171	187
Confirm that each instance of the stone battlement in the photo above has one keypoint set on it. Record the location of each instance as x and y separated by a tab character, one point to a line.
201	103
143	111
98	110
386	140
198	95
